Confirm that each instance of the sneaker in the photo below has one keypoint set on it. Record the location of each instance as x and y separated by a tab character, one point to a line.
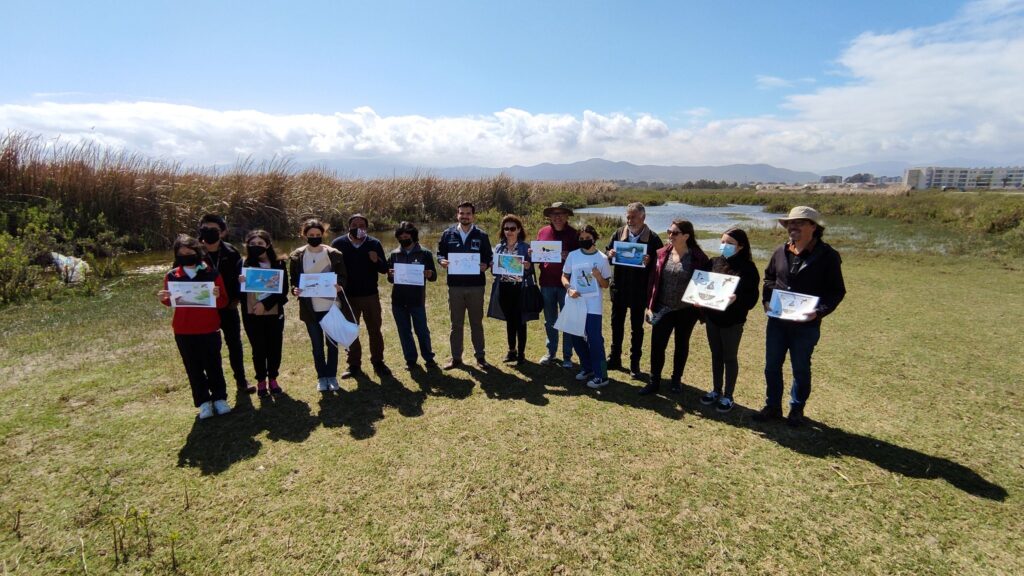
675	387
725	404
710	398
614	364
520	359
332	384
381	368
509	358
221	407
545	360
323	385
583	376
651	387
261	389
205	410
351	372
598	383
567	364
796	416
431	365
768	413
634	371
275	388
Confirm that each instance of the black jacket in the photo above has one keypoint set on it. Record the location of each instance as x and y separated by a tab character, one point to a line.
228	263
817	273
476	241
362	273
747	290
404	295
274	299
628	282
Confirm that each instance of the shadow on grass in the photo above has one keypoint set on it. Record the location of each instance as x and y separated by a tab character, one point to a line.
216	444
820	440
361	408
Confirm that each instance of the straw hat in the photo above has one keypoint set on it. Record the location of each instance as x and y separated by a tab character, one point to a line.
802	213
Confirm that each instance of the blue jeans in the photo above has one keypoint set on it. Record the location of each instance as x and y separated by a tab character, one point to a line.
554	300
407	319
325	367
799	339
591	349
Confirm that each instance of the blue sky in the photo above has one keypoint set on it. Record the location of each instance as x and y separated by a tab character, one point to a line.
496	83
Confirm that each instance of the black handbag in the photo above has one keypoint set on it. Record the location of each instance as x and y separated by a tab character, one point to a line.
533	300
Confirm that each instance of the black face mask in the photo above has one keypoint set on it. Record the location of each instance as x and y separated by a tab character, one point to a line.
586	244
209	235
405	242
188	260
314	241
256	251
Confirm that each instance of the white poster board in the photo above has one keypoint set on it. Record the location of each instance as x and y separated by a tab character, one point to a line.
710	289
192	294
791	305
409	274
318	285
464	263
546	251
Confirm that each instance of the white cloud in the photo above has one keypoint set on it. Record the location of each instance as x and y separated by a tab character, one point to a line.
771	82
918	94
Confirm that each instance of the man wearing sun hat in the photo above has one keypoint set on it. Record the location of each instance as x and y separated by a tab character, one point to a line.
806	265
551	288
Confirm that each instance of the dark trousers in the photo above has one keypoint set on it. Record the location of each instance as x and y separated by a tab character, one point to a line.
408	319
366	310
799	339
231	326
724	342
266	334
510	298
201	355
624	304
325	367
681	322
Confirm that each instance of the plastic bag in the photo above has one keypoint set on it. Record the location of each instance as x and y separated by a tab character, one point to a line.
573	317
338	329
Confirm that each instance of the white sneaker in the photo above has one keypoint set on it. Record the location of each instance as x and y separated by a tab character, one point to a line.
584	376
598	383
206	410
332	384
545	360
323	385
567	364
221	407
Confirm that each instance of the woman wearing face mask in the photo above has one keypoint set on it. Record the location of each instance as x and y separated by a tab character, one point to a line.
263	313
317	258
674	266
725	327
197	330
586	275
509	292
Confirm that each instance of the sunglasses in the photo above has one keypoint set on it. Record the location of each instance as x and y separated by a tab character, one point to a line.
511	229
674	232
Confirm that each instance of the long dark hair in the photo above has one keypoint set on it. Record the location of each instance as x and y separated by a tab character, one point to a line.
740	237
686	227
186	241
262	235
521	236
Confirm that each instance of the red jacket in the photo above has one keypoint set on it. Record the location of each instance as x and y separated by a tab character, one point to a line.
196	320
700	262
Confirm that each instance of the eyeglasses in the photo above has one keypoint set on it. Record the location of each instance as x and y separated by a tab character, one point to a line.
511	229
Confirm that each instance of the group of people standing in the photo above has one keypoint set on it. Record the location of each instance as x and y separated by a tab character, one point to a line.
651	292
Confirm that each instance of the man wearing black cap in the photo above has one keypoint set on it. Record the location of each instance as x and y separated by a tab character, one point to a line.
226	261
364	260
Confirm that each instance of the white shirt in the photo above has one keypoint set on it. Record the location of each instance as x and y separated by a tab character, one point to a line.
462	234
580	267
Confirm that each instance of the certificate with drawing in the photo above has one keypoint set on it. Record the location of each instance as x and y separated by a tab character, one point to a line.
791	305
409	274
464	263
508	265
710	289
546	251
629	254
583	281
318	285
265	280
192	294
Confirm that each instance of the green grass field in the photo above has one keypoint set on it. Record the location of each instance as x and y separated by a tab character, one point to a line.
913	463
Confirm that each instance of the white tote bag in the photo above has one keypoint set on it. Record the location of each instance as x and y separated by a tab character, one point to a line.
573	317
337	328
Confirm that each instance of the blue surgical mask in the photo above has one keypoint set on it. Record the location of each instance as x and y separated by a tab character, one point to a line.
727	250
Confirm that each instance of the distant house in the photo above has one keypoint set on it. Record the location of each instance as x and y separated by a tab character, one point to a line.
963	178
831	180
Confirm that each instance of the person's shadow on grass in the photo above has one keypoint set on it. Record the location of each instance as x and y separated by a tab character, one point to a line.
820	440
216	444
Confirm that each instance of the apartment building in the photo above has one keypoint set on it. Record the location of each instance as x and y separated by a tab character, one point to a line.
963	178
